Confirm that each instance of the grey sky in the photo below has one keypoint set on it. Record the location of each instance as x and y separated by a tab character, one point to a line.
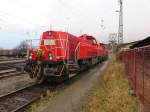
24	19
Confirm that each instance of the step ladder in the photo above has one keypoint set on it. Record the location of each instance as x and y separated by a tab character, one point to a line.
73	67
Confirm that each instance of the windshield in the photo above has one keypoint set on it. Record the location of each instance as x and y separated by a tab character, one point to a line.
49	42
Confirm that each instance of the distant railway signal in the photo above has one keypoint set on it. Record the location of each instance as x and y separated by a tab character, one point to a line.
102	24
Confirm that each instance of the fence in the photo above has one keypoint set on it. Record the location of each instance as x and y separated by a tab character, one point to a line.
137	64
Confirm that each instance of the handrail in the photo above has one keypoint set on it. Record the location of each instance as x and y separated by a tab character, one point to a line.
79	44
67	47
76	51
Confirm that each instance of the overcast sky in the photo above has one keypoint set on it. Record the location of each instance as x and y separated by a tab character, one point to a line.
27	19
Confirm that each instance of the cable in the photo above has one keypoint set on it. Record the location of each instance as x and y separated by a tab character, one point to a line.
23	19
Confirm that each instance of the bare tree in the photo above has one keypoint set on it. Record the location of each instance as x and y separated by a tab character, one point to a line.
21	49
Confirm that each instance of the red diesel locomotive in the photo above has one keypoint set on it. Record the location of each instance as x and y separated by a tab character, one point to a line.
60	54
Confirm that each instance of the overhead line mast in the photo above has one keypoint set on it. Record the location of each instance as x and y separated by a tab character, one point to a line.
120	29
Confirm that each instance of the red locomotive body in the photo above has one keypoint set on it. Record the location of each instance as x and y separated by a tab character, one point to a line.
100	50
61	53
104	51
88	47
57	46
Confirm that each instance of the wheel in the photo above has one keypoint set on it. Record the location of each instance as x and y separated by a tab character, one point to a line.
39	74
66	73
64	76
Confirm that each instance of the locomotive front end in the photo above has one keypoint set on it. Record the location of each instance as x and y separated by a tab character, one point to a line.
48	58
46	48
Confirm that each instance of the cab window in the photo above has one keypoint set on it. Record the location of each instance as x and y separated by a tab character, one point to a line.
49	42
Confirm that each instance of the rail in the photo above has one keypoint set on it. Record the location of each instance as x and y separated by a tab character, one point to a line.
137	65
11	74
77	53
18	100
12	61
7	71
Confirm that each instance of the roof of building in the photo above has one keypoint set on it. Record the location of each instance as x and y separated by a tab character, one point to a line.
141	43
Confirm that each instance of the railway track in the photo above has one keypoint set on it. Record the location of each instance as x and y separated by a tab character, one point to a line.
7	66
13	64
12	61
16	101
7	71
10	74
19	100
2	68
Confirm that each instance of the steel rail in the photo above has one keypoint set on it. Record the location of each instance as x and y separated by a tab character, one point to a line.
12	61
23	97
11	75
15	91
7	71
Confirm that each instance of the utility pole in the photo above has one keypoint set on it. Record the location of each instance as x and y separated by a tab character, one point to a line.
120	29
113	41
50	27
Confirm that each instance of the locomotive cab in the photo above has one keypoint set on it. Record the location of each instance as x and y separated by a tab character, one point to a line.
92	39
47	47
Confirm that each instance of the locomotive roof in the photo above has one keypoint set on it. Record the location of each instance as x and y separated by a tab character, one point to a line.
58	32
89	36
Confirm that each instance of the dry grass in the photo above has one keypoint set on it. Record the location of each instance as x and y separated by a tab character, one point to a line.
112	92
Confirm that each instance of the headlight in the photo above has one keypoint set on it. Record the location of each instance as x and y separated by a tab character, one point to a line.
30	57
50	56
49	33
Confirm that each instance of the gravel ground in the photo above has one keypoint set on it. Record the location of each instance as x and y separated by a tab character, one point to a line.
73	96
12	83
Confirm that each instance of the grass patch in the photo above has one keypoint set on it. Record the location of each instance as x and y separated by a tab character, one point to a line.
112	92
